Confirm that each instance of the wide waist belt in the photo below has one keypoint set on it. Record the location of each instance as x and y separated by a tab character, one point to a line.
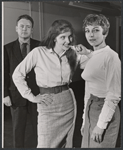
53	90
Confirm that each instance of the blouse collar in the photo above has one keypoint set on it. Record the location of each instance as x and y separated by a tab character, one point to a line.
100	50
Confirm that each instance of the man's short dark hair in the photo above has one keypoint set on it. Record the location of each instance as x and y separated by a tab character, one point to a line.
26	17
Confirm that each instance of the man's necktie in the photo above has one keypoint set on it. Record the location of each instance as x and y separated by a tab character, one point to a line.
24	50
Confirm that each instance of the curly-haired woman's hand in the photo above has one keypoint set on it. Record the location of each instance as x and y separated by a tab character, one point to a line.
80	49
97	134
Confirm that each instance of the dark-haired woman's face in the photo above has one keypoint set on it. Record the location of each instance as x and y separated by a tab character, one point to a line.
63	40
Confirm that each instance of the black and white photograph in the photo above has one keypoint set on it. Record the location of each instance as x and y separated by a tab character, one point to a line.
61	74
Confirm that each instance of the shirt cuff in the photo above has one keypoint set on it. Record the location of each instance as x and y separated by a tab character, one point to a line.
102	125
90	54
31	98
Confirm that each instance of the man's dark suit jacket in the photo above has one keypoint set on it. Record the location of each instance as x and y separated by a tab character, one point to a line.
12	57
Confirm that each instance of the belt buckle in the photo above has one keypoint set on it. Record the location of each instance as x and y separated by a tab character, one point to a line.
61	88
58	89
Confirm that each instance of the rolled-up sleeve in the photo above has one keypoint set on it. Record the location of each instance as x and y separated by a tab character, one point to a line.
82	59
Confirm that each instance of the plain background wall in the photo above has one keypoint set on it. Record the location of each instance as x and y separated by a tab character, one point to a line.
50	13
44	14
10	14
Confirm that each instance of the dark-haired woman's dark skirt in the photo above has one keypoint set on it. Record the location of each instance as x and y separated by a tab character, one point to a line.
94	107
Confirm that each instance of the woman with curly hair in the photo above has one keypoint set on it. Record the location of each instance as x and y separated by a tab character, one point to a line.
102	74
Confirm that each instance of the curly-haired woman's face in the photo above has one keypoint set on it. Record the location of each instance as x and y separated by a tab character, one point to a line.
94	35
63	40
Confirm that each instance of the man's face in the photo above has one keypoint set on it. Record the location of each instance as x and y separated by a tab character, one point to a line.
24	28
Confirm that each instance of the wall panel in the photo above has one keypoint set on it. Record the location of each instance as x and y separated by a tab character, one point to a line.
11	12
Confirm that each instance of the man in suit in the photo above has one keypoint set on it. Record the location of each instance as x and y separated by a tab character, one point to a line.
13	55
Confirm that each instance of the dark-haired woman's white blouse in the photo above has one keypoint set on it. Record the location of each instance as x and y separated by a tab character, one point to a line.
50	70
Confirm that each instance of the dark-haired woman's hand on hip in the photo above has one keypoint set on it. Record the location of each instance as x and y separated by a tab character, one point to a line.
97	134
45	99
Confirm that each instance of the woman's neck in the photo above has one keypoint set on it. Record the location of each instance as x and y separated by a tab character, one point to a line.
100	46
58	50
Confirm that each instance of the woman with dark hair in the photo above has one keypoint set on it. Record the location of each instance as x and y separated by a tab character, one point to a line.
102	73
54	63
